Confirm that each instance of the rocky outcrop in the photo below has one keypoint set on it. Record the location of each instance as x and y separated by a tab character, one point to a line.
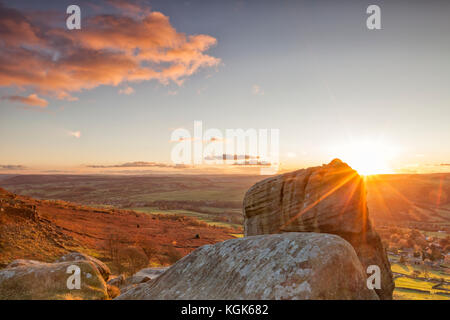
142	276
145	275
23	262
279	266
151	273
118	281
48	281
78	256
327	199
26	232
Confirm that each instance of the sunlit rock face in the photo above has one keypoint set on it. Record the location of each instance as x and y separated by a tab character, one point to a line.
34	280
280	266
78	256
326	199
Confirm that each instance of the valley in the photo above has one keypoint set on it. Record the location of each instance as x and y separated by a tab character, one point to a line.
155	220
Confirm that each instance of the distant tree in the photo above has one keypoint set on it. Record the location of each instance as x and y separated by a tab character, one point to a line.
444	242
426	270
435	254
394	230
394	238
447	249
132	259
113	246
415	234
403	244
410	242
173	254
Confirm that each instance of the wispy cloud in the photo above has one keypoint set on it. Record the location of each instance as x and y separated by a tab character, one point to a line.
126	91
238	159
32	100
141	164
201	90
256	90
75	134
12	167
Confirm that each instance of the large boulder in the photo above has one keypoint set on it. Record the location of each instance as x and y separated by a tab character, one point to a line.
23	262
280	266
118	281
34	280
326	199
145	275
142	276
78	256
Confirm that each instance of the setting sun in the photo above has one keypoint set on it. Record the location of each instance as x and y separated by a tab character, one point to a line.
368	157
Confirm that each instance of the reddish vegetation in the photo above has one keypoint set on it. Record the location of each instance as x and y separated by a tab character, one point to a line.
43	230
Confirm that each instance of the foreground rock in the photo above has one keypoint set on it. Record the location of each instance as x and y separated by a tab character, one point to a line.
48	281
78	256
23	262
280	266
326	199
118	281
145	275
142	276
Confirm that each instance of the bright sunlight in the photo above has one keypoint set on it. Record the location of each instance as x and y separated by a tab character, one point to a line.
368	157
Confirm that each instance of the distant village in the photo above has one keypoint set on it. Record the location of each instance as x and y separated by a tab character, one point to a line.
418	248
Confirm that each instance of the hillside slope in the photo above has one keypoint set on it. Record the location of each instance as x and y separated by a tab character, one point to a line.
414	200
44	230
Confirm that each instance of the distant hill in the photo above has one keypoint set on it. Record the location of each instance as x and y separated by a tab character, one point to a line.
117	190
410	200
416	200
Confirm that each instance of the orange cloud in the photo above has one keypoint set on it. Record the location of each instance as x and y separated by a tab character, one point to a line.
15	28
108	50
32	100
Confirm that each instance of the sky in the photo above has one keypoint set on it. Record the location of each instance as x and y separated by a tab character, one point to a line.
108	97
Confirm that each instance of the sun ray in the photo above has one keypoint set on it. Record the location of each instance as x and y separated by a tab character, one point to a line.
404	198
377	193
367	156
350	196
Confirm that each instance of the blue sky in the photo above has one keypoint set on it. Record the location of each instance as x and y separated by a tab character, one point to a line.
312	70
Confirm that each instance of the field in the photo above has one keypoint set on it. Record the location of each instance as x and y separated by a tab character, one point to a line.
411	289
409	270
416	282
403	294
210	219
